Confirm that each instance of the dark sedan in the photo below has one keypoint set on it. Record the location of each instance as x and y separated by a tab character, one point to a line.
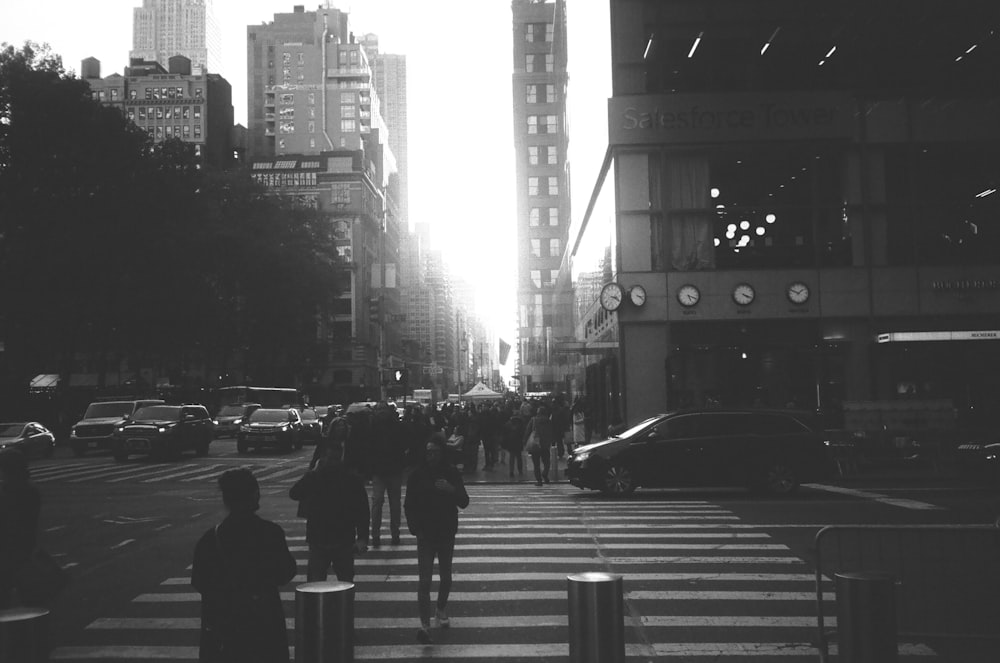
32	438
769	451
271	427
979	459
312	427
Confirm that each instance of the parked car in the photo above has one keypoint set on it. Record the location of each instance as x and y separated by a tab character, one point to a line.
163	431
96	429
229	418
312	427
32	438
323	410
770	451
360	406
271	427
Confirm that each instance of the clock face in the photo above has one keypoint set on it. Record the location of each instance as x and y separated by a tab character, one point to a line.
798	293
637	294
611	296
688	295
743	294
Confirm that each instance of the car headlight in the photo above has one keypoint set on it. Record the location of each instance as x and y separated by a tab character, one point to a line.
245	428
120	428
581	457
284	428
237	422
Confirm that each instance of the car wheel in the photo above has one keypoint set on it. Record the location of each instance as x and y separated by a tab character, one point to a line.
242	447
618	480
780	479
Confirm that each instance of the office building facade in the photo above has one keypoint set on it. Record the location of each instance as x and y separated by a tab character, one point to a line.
542	180
162	29
796	210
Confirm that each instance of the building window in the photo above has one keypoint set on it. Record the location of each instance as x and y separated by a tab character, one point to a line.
342	57
551	126
550	62
159	112
532	124
131	114
551	155
286	127
554	248
532	186
348	111
548	277
302	58
187	131
100	95
114	94
177	130
553	216
531	94
550	93
529	62
159	132
312	143
550	31
536	248
346	98
536	277
132	94
348	126
197	112
197	93
312	126
142	112
186	113
168	113
553	185
197	131
534	216
533	155
180	93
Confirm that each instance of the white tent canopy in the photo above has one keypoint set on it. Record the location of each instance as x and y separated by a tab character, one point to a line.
480	393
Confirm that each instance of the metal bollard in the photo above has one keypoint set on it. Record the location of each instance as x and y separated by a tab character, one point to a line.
23	634
866	618
324	622
596	618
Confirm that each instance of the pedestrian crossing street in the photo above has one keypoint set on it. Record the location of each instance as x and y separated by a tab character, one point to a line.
699	584
285	468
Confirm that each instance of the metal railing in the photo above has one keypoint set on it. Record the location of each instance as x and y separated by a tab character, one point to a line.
947	577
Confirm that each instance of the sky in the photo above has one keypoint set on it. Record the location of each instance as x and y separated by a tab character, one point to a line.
459	67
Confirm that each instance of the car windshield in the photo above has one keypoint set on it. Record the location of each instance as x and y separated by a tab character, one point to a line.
11	430
269	415
231	411
158	413
638	427
102	410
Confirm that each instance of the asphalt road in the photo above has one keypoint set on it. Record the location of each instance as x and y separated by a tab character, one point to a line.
707	575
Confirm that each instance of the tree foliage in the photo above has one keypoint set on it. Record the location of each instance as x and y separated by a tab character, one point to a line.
115	247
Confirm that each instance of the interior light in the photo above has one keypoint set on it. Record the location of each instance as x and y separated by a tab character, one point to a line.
744	240
694	46
649	47
717	241
830	52
770	218
987	192
822	62
731	234
715	192
731	228
760	231
744	225
743	355
971	48
767	44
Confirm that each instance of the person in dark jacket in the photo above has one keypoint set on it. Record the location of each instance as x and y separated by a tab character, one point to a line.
386	461
542	426
20	506
239	566
434	494
336	509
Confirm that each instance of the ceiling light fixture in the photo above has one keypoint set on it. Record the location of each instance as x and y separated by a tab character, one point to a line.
987	192
830	52
767	44
649	46
971	48
694	46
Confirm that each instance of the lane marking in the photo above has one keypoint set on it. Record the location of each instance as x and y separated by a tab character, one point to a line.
878	497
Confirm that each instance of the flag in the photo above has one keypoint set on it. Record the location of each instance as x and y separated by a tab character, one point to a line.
504	351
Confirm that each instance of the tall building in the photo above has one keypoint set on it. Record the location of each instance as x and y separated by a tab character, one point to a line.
171	103
543	200
390	83
797	209
162	29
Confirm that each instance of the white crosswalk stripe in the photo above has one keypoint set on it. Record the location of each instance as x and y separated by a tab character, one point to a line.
141	471
697	584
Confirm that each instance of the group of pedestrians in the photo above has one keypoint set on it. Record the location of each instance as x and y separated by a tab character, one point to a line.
240	564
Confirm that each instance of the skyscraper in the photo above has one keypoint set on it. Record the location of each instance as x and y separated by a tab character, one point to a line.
162	29
543	208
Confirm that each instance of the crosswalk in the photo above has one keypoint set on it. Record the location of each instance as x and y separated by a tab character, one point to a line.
699	585
285	469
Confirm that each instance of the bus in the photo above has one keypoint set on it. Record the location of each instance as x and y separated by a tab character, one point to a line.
269	397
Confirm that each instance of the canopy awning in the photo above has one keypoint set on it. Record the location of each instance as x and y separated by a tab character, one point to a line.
480	392
44	381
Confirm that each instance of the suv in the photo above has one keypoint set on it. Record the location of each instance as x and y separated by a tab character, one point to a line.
271	427
96	428
766	450
164	431
227	422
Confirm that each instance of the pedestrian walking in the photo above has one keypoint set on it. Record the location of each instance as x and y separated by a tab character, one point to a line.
562	424
239	565
541	448
434	494
579	411
20	506
335	504
513	441
336	429
386	462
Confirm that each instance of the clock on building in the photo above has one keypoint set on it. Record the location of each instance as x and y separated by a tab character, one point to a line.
612	295
688	295
743	294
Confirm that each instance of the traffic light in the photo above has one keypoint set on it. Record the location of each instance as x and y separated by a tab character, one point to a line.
373	309
400	375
